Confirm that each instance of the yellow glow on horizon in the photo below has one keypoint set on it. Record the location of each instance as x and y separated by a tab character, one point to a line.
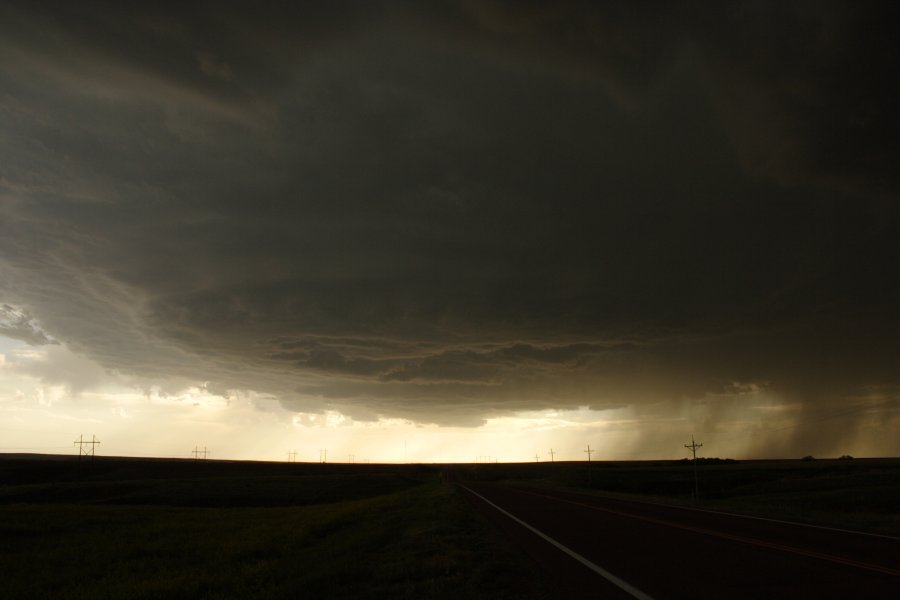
40	415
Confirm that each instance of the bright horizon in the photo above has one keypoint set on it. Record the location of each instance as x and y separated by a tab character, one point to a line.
130	421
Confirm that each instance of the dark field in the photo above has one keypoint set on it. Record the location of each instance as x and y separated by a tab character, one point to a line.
146	528
121	528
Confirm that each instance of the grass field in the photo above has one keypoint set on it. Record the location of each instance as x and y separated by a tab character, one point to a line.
136	528
248	531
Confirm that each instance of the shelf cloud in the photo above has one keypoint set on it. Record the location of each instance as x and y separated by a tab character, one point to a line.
446	212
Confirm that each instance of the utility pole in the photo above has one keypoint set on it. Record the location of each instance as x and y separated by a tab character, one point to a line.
352	456
536	457
693	446
200	454
292	456
552	454
588	452
86	448
323	455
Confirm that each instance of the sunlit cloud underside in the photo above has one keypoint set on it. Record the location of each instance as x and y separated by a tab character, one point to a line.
129	420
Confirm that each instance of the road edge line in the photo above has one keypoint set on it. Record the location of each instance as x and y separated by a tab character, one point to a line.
727	536
618	582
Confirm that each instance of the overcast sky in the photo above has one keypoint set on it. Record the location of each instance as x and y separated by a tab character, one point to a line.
487	227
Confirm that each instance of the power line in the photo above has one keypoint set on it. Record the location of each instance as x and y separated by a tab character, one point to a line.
589	452
32	447
85	447
693	446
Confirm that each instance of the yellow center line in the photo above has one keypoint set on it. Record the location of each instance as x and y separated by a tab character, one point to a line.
736	538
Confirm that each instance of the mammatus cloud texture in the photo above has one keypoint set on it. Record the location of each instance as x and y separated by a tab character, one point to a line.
450	211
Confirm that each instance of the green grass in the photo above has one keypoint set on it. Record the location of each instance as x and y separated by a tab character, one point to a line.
212	491
421	542
125	528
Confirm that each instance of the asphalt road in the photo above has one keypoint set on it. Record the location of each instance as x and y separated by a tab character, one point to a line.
609	548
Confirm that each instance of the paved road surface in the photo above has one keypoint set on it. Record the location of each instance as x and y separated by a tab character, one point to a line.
609	548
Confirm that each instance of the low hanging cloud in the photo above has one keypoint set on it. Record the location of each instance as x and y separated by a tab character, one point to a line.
461	210
17	325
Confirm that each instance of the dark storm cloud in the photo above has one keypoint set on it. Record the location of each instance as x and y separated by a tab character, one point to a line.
17	325
450	211
803	89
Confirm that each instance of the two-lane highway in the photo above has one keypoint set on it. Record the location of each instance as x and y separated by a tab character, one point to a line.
619	548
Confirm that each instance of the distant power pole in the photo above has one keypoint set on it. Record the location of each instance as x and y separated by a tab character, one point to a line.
200	454
86	448
351	457
693	446
323	455
536	457
552	454
588	452
292	456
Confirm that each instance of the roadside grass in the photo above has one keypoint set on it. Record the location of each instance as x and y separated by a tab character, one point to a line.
215	490
419	542
869	508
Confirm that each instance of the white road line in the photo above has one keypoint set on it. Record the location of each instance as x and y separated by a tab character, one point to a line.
621	584
723	535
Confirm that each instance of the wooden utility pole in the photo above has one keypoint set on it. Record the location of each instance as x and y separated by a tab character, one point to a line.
292	456
537	458
85	447
200	454
588	452
552	454
693	446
